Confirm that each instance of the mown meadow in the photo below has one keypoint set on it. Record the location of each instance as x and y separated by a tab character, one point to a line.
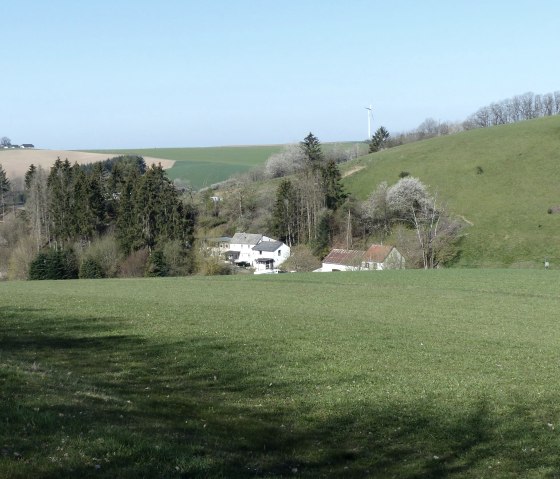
408	374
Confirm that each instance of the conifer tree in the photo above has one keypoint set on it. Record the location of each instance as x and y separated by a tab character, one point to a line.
334	192
60	183
311	148
284	216
29	174
4	188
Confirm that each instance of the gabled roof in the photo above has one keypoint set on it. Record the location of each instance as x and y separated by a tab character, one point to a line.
378	253
268	246
347	257
246	238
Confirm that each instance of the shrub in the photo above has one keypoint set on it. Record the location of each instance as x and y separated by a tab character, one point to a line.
104	251
301	259
91	269
156	265
54	265
134	265
21	257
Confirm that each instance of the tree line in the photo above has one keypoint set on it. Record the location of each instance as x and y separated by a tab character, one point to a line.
117	210
511	110
515	109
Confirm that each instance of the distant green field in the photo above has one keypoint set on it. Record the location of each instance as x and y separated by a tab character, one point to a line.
408	374
203	167
507	203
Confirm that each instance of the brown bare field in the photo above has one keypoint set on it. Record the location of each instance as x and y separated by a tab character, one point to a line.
16	162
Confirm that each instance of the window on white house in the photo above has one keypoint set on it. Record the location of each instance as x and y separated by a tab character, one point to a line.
279	251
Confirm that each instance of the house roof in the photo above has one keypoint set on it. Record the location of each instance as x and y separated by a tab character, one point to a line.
246	238
221	239
378	252
268	246
348	257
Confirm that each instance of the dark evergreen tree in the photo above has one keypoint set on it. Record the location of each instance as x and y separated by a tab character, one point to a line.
82	215
61	212
321	243
4	188
284	215
29	175
379	139
157	265
91	269
127	226
38	267
311	148
54	264
334	191
97	198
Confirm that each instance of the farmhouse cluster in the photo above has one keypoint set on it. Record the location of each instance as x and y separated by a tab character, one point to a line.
21	147
265	255
253	250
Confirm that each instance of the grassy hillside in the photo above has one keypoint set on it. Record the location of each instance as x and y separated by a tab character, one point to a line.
507	204
409	374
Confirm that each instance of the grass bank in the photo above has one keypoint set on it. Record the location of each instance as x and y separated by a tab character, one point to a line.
501	180
409	374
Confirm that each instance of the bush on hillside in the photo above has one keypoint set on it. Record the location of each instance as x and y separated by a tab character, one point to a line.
134	265
54	265
91	269
156	265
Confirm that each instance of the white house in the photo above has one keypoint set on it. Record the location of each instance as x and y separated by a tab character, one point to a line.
377	257
257	251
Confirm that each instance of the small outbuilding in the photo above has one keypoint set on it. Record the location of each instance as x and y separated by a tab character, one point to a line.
376	257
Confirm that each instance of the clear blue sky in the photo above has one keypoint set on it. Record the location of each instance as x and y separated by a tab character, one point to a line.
133	73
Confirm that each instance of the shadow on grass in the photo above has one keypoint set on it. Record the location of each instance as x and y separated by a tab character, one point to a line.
80	399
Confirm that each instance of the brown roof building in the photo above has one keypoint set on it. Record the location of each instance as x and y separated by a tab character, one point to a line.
376	257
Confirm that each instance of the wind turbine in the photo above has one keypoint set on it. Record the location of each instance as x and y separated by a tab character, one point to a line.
369	116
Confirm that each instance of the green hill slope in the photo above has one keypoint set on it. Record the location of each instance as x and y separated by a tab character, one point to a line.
507	204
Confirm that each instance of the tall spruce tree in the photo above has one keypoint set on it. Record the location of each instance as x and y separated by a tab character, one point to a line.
60	184
29	174
334	192
284	216
312	151
4	188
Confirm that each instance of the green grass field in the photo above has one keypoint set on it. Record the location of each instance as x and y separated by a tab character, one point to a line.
408	374
204	166
507	203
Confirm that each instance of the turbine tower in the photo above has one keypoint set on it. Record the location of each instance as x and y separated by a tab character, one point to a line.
369	116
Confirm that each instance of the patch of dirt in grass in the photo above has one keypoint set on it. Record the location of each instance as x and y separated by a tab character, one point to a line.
351	171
